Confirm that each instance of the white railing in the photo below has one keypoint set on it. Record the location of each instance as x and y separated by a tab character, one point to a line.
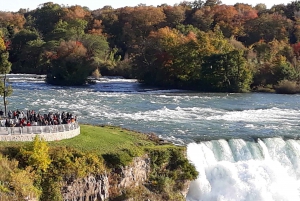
38	129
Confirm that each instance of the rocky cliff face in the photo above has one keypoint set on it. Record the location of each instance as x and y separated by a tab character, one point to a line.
135	174
90	188
96	187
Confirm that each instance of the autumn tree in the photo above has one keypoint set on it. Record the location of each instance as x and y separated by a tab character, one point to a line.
260	7
212	3
267	27
69	64
13	20
36	154
268	52
111	27
275	61
75	12
138	22
225	17
203	19
95	27
175	15
226	72
245	13
173	59
16	183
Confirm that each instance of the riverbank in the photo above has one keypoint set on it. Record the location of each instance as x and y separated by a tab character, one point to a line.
107	153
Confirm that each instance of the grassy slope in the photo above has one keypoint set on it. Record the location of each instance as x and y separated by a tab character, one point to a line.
101	139
106	139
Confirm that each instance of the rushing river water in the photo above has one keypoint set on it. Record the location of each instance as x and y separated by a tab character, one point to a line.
245	146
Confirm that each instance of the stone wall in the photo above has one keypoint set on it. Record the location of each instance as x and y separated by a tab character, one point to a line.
45	136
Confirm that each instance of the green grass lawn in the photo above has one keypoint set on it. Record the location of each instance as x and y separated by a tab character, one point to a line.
105	139
101	140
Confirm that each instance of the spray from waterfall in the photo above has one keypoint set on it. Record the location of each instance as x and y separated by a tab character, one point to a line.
239	170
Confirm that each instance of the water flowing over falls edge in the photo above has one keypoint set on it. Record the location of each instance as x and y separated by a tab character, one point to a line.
218	129
240	170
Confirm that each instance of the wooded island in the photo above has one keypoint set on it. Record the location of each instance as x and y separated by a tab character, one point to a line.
205	46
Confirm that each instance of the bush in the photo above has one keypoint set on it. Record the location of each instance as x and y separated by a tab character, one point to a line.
287	87
67	164
36	154
264	89
170	169
15	183
116	160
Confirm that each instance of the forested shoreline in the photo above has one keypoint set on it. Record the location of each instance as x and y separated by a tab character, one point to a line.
198	45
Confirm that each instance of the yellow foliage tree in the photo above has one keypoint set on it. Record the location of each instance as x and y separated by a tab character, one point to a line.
37	154
2	43
23	184
16	184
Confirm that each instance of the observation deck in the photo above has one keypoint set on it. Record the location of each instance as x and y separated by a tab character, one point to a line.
48	133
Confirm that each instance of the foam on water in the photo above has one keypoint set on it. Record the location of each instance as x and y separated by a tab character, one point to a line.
245	179
154	113
115	79
263	167
259	115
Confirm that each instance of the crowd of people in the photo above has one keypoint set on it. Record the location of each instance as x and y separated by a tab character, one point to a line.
33	118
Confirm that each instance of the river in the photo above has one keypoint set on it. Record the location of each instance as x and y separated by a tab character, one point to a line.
244	146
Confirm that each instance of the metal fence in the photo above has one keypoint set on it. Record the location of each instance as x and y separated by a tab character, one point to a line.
38	129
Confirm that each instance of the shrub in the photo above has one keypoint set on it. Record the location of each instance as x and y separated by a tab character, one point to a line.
169	169
37	154
116	160
159	157
15	183
67	164
264	89
287	87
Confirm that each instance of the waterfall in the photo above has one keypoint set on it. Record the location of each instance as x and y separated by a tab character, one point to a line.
239	170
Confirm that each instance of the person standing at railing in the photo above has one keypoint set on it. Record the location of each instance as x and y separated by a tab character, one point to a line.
16	121
10	114
22	115
7	123
17	113
28	113
72	119
1	113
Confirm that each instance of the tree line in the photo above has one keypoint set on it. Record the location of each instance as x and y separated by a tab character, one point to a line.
199	45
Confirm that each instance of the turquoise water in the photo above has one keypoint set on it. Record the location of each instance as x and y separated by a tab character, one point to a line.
244	146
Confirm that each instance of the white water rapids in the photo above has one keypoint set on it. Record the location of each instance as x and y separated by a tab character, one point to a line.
239	170
243	145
